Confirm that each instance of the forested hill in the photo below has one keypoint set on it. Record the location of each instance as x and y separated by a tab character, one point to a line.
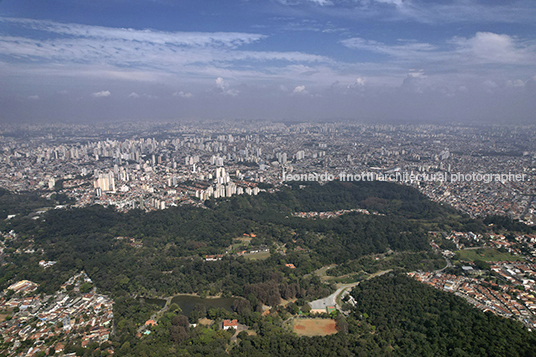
417	320
177	238
384	197
13	204
397	316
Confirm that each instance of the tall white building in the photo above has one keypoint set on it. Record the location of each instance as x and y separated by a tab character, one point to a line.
105	182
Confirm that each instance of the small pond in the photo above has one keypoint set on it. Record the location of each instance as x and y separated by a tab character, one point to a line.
188	302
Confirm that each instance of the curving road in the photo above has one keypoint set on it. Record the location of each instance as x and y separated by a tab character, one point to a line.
332	299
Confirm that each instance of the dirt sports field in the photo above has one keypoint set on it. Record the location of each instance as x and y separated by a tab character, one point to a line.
314	327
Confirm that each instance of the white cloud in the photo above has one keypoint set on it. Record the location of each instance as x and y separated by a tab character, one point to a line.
104	93
517	83
404	48
414	81
392	2
488	47
56	50
87	44
182	94
490	85
220	83
222	86
133	95
458	52
433	12
189	39
416	73
359	84
299	90
33	97
322	2
139	55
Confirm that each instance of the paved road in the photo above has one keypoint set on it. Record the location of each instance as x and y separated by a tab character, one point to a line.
328	301
332	299
449	265
320	272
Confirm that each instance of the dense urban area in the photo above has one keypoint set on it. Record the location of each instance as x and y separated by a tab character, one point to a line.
109	234
480	170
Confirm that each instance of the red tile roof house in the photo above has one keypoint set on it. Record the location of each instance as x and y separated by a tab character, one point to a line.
59	348
227	324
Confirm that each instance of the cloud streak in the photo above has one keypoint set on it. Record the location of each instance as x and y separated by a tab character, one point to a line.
104	93
425	11
483	48
187	39
125	51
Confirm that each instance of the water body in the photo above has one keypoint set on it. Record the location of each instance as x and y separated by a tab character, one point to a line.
188	302
159	302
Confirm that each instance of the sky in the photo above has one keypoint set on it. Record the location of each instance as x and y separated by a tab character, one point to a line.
436	61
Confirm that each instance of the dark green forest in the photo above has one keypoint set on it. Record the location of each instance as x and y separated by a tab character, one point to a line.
394	316
398	316
177	239
24	204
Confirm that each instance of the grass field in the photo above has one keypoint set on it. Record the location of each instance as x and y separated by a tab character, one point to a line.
257	256
486	254
347	279
242	240
314	327
239	242
206	322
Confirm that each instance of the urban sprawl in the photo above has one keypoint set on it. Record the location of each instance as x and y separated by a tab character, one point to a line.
485	170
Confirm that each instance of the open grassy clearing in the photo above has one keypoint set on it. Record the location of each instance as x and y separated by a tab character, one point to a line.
485	254
257	256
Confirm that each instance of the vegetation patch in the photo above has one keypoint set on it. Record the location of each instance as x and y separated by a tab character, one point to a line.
245	240
257	256
205	321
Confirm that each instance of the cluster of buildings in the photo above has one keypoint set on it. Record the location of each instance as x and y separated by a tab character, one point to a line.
52	321
246	252
330	214
23	287
479	199
515	297
518	244
506	288
133	242
523	244
46	264
155	166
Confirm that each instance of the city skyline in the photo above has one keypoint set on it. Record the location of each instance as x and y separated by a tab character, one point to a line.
382	60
